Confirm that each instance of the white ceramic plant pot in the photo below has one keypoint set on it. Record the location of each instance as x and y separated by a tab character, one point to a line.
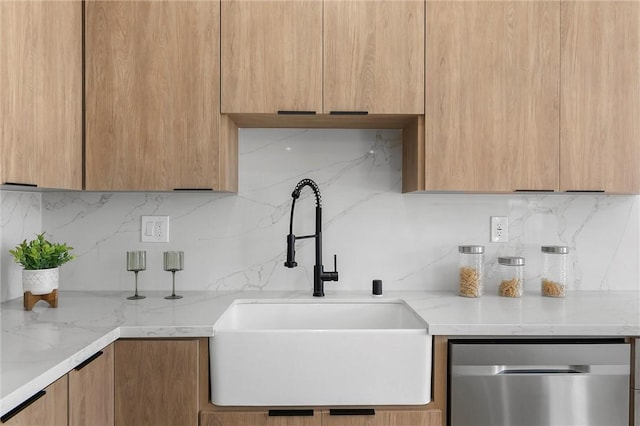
40	281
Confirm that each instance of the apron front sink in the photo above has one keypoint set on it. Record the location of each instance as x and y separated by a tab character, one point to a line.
302	353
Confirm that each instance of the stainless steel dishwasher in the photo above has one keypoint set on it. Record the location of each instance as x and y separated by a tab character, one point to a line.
539	382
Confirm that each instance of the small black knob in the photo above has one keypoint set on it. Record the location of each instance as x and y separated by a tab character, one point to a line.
377	287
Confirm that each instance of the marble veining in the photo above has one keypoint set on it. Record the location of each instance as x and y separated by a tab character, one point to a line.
236	242
20	219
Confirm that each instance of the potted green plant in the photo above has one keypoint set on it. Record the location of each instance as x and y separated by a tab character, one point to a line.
41	260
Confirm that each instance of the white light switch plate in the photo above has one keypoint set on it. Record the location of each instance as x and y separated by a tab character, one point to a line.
154	229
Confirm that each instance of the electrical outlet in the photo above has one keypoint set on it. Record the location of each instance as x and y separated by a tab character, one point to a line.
499	229
154	229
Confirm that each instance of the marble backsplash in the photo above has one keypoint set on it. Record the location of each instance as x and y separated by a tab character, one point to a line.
20	218
237	242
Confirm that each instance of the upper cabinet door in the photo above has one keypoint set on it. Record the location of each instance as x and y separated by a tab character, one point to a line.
492	96
600	113
41	93
271	56
374	56
152	95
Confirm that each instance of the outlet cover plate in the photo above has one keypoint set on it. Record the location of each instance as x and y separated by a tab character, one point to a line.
154	229
499	229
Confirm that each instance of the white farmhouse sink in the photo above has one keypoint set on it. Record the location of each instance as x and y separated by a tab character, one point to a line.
290	353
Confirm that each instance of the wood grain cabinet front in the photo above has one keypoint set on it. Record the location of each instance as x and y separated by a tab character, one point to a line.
152	97
526	95
41	93
492	96
259	418
297	56
48	407
91	391
336	417
374	56
156	382
600	96
271	56
383	418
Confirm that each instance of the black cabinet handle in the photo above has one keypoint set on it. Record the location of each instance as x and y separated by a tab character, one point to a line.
585	190
534	190
292	112
290	413
352	412
22	406
193	189
32	185
88	361
349	113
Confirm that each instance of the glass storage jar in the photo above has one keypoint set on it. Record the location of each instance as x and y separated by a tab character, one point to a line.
554	271
511	276
471	262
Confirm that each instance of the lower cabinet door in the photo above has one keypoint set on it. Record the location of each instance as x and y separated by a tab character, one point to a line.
47	408
339	417
91	391
261	418
381	418
156	382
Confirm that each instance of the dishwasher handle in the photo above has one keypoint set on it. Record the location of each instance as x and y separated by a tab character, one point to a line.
545	370
505	370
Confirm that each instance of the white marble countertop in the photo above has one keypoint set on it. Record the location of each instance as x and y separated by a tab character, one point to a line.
39	346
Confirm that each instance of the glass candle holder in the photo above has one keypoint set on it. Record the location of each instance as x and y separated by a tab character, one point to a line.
173	261
136	262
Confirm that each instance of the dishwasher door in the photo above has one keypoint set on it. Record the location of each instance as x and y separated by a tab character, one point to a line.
535	382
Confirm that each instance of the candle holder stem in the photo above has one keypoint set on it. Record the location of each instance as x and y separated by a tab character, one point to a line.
173	288
136	296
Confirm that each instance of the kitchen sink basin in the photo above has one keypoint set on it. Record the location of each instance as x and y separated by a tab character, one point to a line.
294	353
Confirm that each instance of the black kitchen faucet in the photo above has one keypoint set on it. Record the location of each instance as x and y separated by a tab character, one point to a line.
319	275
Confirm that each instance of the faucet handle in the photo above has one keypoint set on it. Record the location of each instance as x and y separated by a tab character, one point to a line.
333	276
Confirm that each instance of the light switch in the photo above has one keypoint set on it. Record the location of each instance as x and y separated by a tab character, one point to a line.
154	229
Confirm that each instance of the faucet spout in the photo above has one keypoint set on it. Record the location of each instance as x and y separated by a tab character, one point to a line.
319	274
311	184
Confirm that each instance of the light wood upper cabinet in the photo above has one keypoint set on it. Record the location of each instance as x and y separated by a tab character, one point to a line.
50	409
600	96
41	93
271	56
156	382
91	391
374	56
322	56
152	96
492	102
